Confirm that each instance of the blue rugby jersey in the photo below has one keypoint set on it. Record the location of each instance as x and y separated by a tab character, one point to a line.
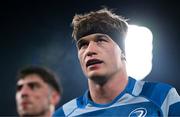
139	99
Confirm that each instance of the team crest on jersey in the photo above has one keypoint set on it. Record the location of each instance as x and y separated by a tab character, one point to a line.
138	112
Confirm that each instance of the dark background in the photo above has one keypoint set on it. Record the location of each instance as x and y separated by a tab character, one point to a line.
39	32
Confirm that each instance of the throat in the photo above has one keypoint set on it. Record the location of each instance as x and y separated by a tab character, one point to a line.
101	96
106	91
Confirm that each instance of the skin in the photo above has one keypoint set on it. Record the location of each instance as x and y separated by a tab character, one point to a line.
34	97
101	61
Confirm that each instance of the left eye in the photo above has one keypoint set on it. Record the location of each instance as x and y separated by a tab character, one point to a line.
19	87
101	40
33	86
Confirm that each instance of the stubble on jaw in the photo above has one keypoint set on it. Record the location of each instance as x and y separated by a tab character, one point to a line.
100	80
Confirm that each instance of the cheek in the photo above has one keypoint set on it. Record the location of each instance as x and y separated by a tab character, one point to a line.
41	93
111	54
80	57
115	56
41	98
17	97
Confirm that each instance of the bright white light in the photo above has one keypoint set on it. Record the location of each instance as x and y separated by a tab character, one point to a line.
138	51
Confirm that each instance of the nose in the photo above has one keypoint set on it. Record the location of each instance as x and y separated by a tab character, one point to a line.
91	49
25	91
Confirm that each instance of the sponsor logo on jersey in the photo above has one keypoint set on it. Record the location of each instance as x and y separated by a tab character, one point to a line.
138	112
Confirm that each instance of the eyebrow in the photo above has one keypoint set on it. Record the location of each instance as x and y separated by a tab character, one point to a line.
80	40
96	36
101	35
29	83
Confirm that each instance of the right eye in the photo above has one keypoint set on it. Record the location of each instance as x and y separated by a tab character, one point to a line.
82	44
19	87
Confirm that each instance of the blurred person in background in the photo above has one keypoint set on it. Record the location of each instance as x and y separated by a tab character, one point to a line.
38	91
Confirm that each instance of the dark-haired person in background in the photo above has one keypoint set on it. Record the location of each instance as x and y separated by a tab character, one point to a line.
100	37
38	92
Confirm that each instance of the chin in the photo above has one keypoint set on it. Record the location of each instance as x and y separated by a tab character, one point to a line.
98	78
94	74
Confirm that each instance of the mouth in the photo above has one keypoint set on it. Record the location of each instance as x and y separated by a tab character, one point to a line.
25	103
93	62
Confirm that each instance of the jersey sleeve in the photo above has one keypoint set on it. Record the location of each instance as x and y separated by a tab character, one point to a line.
171	105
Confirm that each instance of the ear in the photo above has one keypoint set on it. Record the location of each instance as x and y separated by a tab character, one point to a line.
55	98
123	57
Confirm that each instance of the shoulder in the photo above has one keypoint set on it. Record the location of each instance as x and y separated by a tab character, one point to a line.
68	107
163	95
152	90
58	112
149	89
157	92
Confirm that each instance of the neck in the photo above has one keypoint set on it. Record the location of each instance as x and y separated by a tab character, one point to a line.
42	114
105	93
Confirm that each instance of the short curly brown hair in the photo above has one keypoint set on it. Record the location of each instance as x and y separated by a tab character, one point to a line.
101	21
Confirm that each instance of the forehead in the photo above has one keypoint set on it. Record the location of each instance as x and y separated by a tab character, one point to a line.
31	78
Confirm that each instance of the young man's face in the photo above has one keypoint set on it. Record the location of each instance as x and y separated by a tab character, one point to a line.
32	96
99	55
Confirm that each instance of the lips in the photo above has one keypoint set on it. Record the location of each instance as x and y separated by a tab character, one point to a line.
25	103
93	62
